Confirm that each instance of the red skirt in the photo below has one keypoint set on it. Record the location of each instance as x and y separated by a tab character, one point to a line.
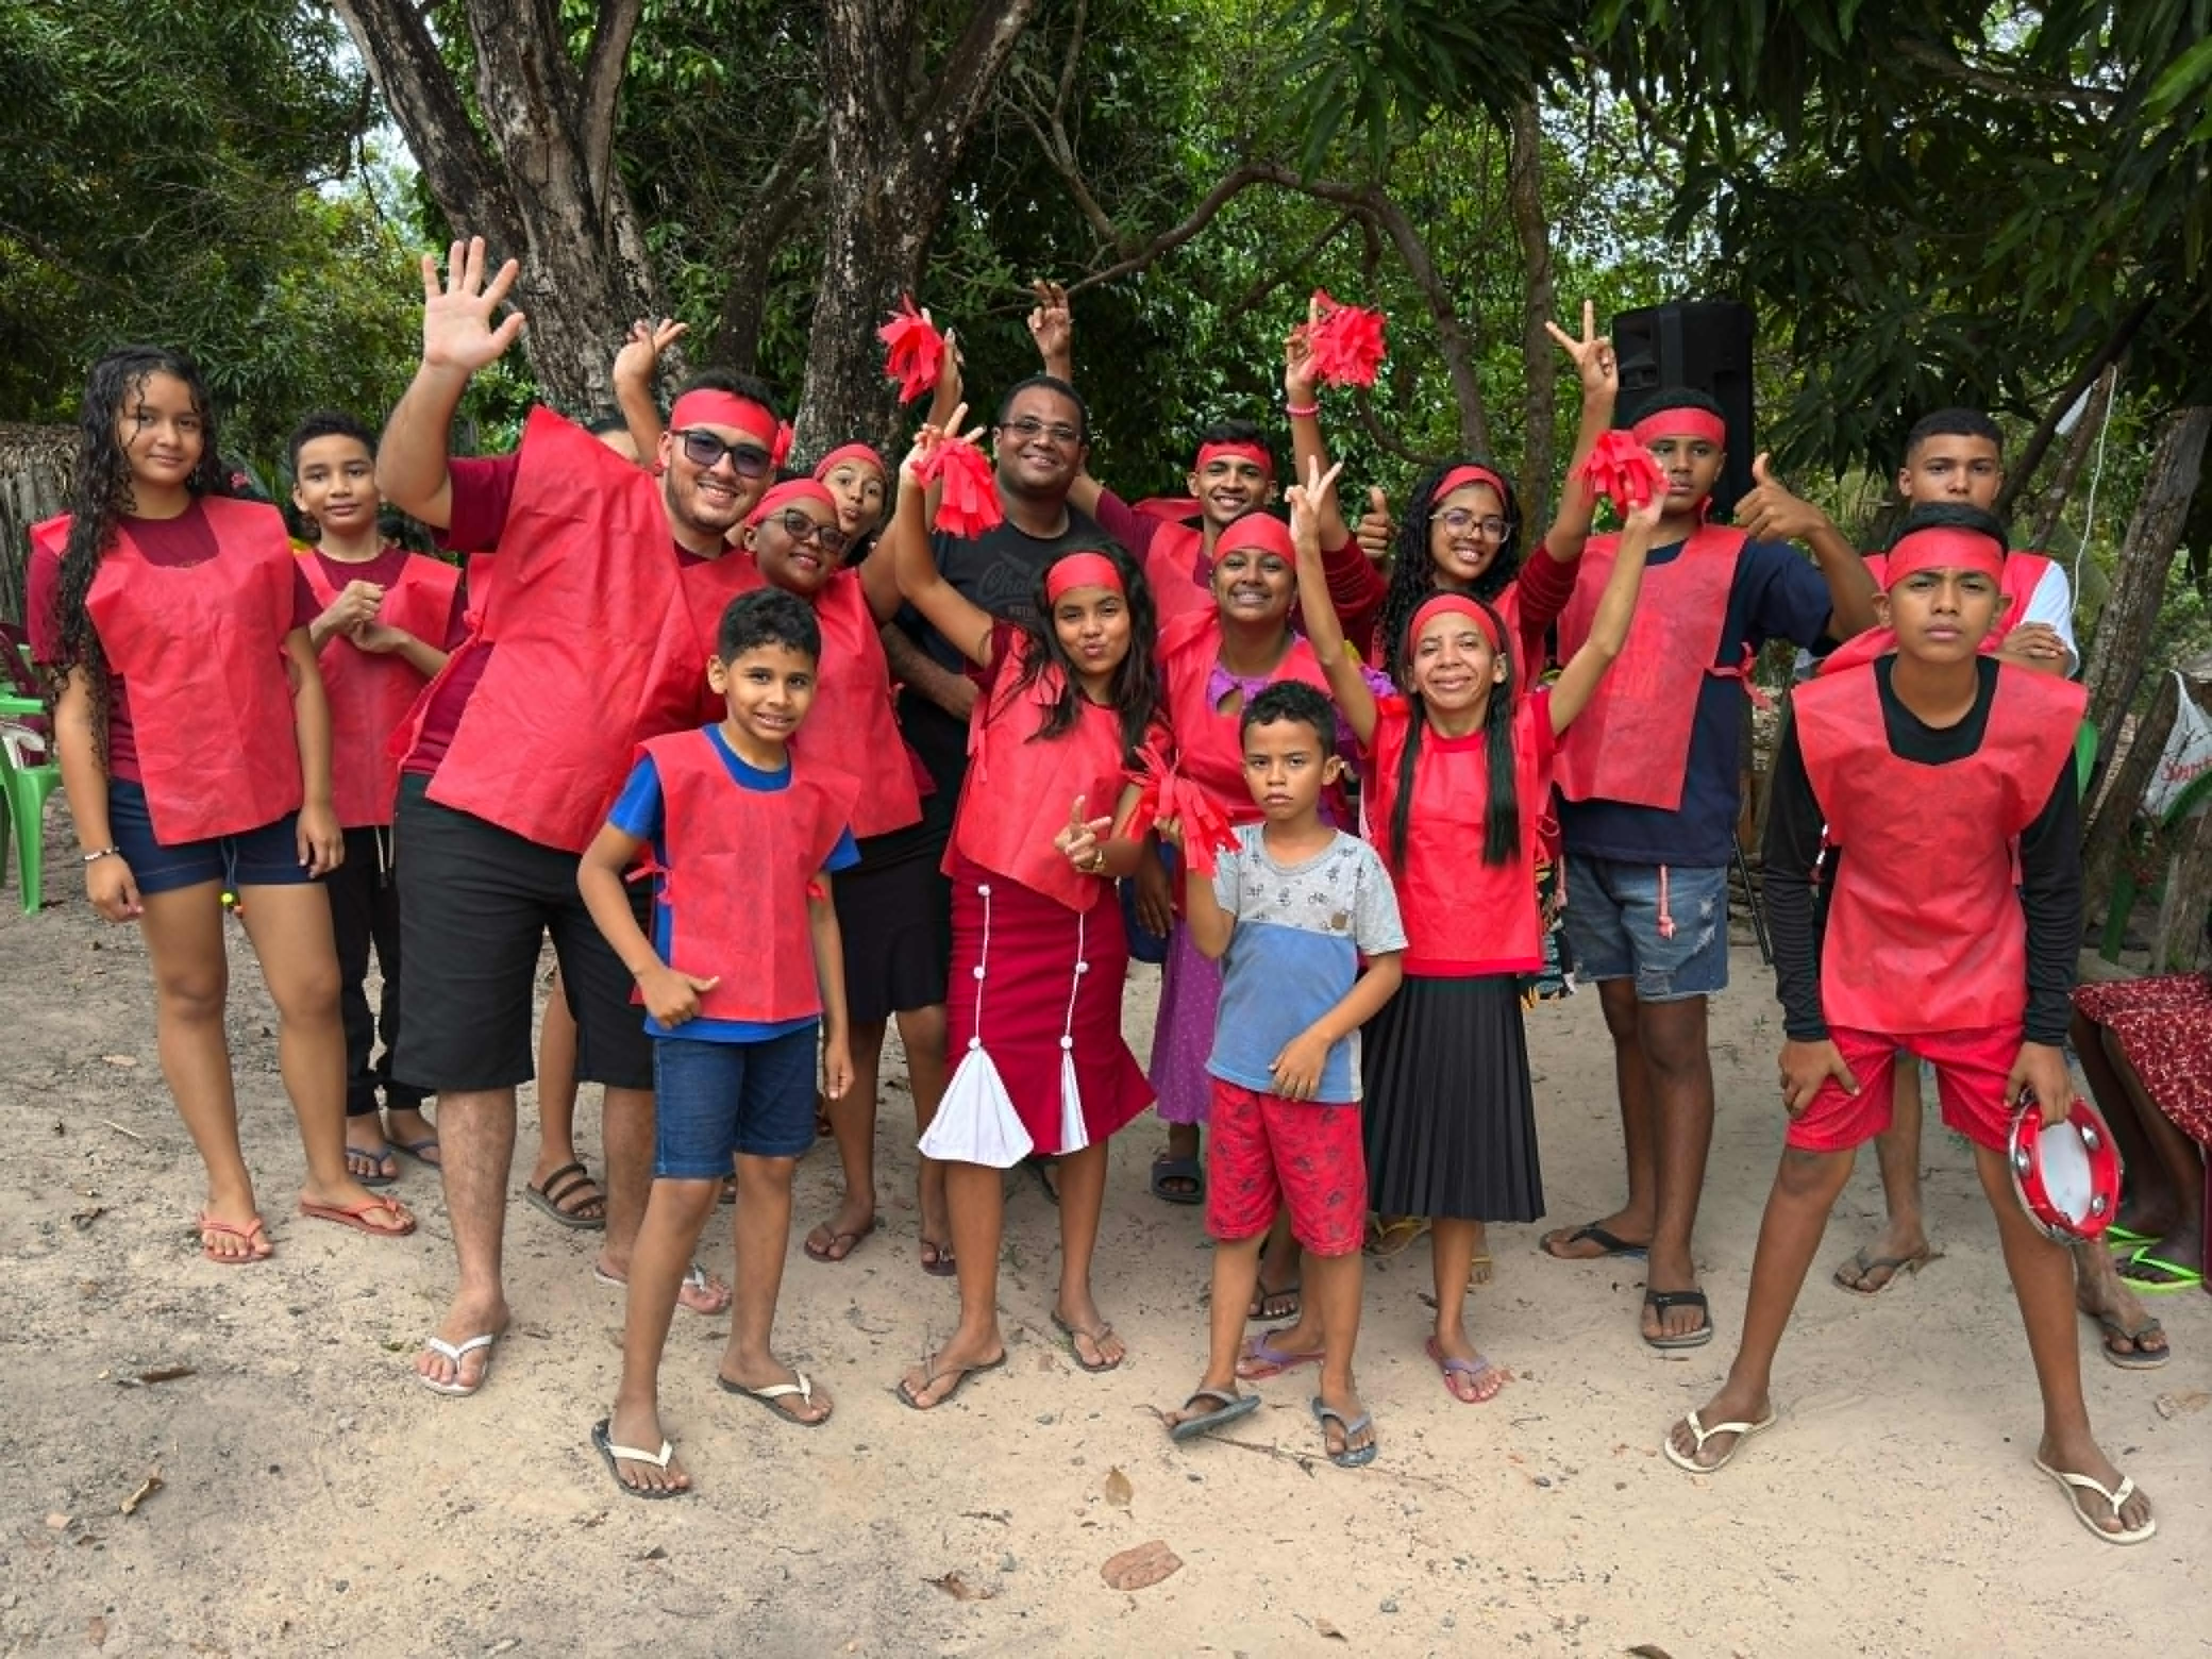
1036	944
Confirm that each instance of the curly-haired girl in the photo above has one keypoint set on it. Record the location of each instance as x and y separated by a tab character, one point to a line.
195	746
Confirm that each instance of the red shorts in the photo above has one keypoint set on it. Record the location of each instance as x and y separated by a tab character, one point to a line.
1971	1069
1263	1152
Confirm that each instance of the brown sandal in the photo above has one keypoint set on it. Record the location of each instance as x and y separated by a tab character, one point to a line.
568	1192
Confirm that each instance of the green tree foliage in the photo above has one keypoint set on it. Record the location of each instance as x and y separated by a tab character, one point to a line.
187	173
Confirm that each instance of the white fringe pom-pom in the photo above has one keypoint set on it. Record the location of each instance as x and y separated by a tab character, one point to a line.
975	1122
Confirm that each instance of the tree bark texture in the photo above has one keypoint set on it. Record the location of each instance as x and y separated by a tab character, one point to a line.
2107	824
537	181
2115	668
2051	499
2188	892
1524	196
896	130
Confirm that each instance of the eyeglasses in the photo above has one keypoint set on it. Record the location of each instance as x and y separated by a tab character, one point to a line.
800	528
1458	521
704	450
1028	429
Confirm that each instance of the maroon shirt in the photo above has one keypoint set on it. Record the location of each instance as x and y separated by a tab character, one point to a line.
386	568
179	543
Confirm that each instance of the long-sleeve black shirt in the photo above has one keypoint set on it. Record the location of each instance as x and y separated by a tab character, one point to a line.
2050	861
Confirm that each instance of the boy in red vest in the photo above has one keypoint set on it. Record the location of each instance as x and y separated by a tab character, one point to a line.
742	980
1650	778
1953	457
1909	781
388	619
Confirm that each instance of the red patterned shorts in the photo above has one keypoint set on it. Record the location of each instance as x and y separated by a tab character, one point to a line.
1264	1152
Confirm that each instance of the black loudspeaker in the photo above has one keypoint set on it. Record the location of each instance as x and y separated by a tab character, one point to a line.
1705	344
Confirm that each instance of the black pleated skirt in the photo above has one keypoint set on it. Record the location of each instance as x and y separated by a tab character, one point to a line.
1449	1117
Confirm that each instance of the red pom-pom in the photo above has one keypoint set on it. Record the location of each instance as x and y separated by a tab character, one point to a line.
1622	471
913	351
1346	342
1166	793
969	504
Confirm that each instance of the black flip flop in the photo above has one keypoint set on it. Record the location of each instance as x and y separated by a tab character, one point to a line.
1233	1406
951	1394
570	1176
1607	1243
609	1450
1663	1300
2137	1358
1166	1168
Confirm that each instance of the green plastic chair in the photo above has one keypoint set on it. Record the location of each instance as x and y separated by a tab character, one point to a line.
26	789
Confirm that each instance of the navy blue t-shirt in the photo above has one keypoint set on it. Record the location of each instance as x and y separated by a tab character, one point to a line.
1775	594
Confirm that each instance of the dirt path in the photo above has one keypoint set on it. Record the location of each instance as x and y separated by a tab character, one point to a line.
312	1499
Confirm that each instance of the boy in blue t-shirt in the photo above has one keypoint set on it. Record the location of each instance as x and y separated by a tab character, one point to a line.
1290	914
742	980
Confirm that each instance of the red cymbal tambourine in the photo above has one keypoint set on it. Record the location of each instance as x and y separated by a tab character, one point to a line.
2067	1177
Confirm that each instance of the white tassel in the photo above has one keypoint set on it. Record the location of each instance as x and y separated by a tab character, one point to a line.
975	1122
1074	1136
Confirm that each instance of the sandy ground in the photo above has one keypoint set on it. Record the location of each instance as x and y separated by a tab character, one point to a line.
314	1499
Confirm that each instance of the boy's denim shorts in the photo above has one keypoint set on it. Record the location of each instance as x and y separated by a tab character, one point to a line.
1614	924
714	1100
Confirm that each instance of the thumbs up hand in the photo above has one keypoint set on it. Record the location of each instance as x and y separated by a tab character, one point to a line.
1771	513
1376	531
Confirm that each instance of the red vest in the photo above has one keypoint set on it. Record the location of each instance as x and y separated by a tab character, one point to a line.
200	649
595	648
1209	744
1925	931
1462	916
1176	569
739	865
370	692
478	574
1632	742
1020	786
2022	575
853	724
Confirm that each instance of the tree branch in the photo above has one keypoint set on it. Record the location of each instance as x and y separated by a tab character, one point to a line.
1225	189
1283	272
1067	66
2012	85
776	202
1524	196
603	80
2031	455
963	85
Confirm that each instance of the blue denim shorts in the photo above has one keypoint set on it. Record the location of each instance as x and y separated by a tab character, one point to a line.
1614	924
714	1100
267	857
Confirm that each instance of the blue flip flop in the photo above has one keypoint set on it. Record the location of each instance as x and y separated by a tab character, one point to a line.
1232	1407
1352	1457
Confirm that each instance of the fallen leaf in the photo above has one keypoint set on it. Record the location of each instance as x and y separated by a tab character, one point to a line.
1328	1632
152	1484
1650	1650
2171	1406
1140	1568
656	1554
57	1522
1119	1492
96	1630
960	1590
159	1374
84	1219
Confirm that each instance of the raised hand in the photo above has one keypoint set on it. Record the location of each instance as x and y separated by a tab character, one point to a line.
641	354
1052	325
929	435
1771	513
1300	368
1079	840
1305	501
1596	364
458	333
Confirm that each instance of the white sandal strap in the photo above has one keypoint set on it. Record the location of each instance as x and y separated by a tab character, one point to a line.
448	1351
1703	1434
632	1454
2090	1483
803	1388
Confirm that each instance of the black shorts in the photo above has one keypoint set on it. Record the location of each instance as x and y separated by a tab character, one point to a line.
895	919
475	903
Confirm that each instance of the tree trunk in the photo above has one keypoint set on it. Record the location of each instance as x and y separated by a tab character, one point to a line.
2104	838
545	190
2050	502
2124	631
1524	194
2188	893
892	155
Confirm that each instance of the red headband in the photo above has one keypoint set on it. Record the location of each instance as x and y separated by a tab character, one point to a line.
1255	453
1944	547
1451	603
1082	570
1262	531
1461	477
783	494
844	453
1681	420
711	407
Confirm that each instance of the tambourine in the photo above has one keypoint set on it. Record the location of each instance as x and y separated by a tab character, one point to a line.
2067	1175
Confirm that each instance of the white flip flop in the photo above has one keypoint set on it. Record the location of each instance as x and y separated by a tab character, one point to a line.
602	1438
458	1389
1743	1431
2070	1483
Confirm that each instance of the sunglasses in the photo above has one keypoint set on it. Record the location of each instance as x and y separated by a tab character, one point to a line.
704	450
800	528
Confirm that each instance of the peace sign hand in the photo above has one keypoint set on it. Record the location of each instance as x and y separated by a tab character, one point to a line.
457	327
1305	501
929	436
1594	362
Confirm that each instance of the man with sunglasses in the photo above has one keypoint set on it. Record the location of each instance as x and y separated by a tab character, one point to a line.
585	646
